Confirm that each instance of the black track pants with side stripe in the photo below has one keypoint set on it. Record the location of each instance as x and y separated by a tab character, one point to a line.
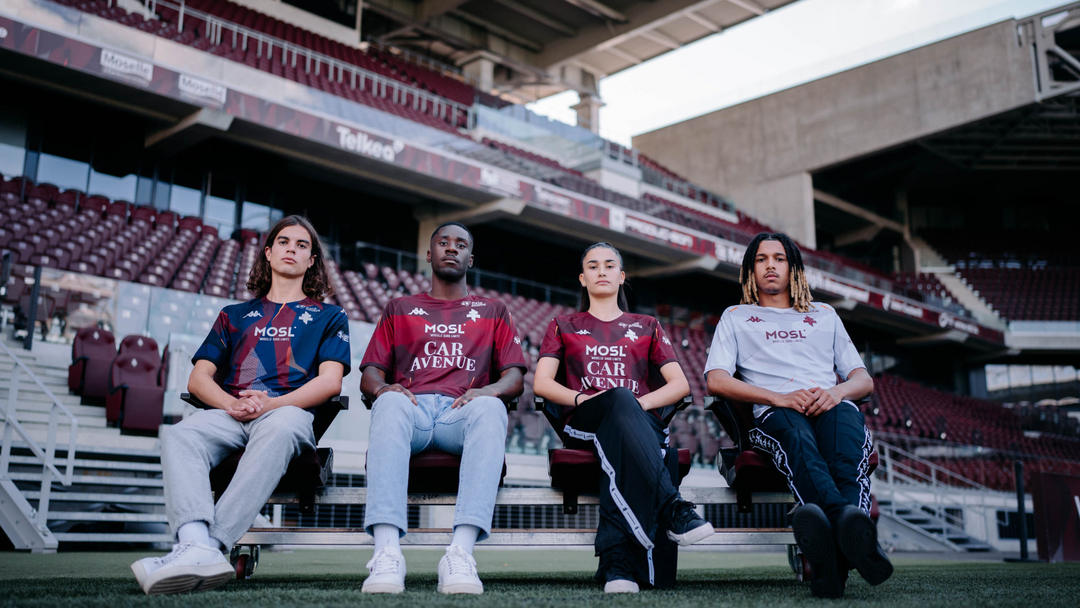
825	457
636	479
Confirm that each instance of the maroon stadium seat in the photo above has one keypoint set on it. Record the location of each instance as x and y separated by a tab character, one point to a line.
135	399
92	354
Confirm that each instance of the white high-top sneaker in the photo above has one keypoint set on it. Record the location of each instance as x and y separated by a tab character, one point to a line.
188	567
620	585
387	569
457	572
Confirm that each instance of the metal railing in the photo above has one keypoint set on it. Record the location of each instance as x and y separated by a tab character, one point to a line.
422	61
218	30
47	455
650	175
907	485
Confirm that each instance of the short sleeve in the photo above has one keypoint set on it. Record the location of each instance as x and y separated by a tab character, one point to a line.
845	356
217	347
335	342
661	353
553	346
380	350
506	352
724	352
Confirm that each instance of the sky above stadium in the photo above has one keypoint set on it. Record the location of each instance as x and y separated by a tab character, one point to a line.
795	44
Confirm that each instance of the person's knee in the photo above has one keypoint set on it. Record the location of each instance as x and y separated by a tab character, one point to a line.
487	411
289	423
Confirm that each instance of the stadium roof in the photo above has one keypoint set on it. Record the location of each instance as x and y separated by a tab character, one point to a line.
538	43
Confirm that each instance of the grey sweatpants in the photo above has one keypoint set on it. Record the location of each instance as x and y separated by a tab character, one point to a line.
202	440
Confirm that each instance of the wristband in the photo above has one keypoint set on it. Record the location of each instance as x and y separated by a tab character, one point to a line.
576	398
381	389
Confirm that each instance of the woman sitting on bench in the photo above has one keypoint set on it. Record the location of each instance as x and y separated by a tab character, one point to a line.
279	354
596	365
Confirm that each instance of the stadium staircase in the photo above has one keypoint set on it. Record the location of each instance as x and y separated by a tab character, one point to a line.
113	491
932	262
930	501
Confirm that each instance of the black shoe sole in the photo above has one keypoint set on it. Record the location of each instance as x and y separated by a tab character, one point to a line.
857	537
814	536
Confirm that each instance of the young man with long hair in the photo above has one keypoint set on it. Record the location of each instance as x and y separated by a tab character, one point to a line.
789	352
439	366
610	370
264	363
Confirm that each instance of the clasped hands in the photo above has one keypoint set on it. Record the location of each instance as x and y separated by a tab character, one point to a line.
249	405
810	402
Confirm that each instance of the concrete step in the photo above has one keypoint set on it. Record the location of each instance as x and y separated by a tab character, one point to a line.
29	390
42	417
96	480
6	365
95	516
80	411
116	452
92	537
108	465
120	499
95	437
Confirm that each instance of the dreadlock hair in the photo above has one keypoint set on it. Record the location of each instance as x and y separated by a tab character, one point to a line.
316	281
583	300
800	289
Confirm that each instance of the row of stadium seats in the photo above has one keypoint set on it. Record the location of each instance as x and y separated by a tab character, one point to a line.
1023	275
39	225
196	35
129	380
996	473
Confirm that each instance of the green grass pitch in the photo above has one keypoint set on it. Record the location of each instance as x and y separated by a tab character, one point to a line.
537	579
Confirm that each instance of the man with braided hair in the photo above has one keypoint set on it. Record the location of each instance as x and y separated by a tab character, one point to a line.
789	353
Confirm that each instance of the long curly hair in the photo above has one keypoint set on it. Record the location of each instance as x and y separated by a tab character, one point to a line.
316	281
800	289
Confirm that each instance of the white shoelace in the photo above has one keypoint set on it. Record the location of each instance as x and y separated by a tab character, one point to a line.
384	562
177	550
459	562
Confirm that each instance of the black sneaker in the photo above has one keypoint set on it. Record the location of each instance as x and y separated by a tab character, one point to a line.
814	536
685	526
615	564
856	535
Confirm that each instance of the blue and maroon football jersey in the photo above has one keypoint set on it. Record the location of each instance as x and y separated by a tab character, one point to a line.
600	355
277	348
444	347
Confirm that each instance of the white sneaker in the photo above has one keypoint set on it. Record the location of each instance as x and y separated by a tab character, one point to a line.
457	572
621	586
387	569
188	567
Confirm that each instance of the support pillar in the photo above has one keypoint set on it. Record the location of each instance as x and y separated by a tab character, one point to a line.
588	111
481	66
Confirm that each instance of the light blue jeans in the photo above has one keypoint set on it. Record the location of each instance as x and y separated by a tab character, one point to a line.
476	430
203	439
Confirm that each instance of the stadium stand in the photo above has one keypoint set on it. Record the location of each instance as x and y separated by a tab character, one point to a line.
1023	276
274	47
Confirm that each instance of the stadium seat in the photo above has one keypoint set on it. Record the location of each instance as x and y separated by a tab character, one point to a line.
576	470
745	469
92	353
306	473
135	400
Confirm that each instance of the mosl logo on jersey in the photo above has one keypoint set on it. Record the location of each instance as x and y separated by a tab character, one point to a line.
274	332
795	334
443	328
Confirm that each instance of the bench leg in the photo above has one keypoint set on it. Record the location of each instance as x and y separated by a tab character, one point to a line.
569	503
306	497
744	499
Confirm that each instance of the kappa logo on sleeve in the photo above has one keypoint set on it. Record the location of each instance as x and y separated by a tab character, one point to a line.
418	311
343	336
517	341
666	341
583	332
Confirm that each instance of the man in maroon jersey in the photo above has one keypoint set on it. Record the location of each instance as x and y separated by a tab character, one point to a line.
438	366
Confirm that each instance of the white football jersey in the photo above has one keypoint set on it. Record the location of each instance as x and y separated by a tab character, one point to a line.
781	349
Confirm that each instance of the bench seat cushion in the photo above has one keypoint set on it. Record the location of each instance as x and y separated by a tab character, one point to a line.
579	470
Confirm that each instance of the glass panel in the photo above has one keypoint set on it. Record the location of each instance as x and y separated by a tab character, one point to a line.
62	172
12	142
221	213
255	216
184	200
113	187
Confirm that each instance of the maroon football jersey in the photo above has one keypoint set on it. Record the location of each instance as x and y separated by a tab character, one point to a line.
599	355
444	346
